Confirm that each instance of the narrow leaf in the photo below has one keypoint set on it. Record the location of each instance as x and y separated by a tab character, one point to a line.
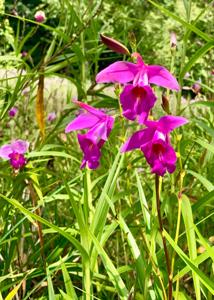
198	54
203	278
13	293
68	283
111	270
191	240
206	183
181	21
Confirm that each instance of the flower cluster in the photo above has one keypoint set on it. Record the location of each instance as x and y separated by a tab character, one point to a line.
137	99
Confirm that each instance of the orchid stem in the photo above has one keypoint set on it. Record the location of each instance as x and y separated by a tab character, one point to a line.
157	189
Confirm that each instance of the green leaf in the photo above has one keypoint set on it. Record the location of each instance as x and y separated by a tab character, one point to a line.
191	240
203	201
183	22
200	259
26	212
139	261
205	145
205	103
51	153
206	128
68	283
206	183
143	202
111	270
203	278
51	294
14	291
198	54
102	206
205	244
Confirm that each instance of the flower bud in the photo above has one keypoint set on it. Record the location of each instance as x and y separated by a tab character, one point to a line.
24	54
13	111
114	45
196	87
51	116
39	16
165	104
173	40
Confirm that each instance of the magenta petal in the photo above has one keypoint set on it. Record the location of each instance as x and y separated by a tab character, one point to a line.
160	76
159	168
170	158
137	139
83	121
20	146
17	160
90	109
5	151
90	150
168	123
137	101
120	71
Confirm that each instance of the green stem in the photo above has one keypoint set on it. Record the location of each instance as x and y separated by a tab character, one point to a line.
157	189
177	233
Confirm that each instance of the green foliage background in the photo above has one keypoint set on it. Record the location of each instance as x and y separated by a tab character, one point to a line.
100	237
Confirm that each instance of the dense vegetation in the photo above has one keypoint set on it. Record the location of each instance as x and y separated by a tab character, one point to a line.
96	233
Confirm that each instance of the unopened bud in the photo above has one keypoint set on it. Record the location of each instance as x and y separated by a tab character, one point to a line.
173	40
40	16
24	54
114	45
165	104
13	111
196	87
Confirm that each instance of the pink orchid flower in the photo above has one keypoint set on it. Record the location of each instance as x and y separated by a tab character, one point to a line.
154	142
15	153
137	97
138	73
99	126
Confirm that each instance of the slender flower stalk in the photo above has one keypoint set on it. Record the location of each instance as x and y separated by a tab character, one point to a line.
157	189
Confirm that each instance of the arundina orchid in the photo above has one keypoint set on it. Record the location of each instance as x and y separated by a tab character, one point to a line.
154	142
99	125
15	153
137	97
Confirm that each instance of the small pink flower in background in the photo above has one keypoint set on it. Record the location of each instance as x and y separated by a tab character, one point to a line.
51	116
173	40
15	153
13	111
154	142
196	87
24	54
99	126
40	16
187	75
